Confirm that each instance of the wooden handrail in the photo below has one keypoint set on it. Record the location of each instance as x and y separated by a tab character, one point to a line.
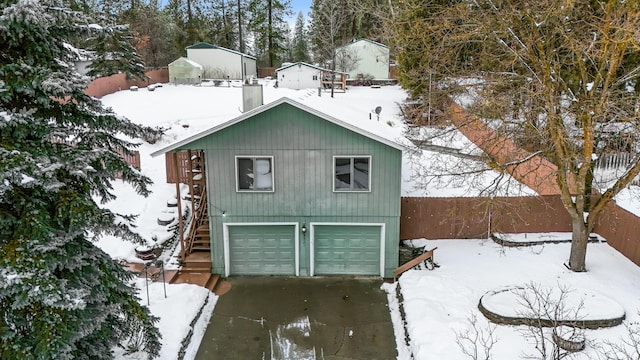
197	219
410	264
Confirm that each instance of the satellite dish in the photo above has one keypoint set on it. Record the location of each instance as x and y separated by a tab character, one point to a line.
378	110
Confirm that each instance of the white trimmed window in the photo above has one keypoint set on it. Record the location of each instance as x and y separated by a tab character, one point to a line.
352	173
254	173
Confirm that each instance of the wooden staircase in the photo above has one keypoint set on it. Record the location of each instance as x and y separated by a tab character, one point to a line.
195	255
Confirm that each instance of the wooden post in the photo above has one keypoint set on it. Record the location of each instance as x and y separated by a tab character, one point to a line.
174	156
190	179
203	171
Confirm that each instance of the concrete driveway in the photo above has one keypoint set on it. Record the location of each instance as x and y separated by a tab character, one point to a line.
278	318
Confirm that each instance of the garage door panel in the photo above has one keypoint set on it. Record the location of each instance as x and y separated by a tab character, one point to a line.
262	250
346	250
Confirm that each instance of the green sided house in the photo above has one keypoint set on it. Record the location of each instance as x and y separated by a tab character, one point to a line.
289	190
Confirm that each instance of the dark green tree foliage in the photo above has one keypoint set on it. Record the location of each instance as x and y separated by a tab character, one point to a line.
188	23
300	40
270	29
60	296
151	29
114	53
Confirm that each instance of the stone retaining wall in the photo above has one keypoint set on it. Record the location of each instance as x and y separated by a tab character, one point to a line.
582	324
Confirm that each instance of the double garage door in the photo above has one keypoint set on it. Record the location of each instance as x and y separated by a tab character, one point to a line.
334	249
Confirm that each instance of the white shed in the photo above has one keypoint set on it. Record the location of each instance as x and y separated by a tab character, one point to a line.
364	58
185	71
222	63
299	75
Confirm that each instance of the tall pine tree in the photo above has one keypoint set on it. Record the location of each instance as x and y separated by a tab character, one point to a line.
300	40
60	296
270	29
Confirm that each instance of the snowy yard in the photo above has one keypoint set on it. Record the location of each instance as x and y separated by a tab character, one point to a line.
439	303
436	302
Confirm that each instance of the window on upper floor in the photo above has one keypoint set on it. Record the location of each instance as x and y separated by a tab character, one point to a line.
254	173
352	173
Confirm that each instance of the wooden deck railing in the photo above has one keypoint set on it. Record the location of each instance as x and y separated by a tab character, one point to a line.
426	256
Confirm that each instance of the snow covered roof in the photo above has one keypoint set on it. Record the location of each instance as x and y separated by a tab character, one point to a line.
300	63
263	108
367	40
205	45
190	62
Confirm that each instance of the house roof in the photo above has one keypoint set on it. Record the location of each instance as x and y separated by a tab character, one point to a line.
272	105
205	45
302	64
190	62
367	40
308	65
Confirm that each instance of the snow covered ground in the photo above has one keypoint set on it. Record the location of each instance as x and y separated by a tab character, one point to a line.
438	301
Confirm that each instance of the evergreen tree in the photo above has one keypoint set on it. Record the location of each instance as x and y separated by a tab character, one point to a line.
270	29
300	40
60	296
223	28
151	32
115	53
188	23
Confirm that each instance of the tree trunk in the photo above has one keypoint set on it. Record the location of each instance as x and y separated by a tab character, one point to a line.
270	49
578	245
240	40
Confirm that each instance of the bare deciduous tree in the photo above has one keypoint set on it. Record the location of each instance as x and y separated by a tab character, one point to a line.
558	77
476	342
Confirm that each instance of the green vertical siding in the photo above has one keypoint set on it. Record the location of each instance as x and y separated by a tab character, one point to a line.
303	147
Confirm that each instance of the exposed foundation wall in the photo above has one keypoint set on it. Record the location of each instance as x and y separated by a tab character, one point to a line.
110	84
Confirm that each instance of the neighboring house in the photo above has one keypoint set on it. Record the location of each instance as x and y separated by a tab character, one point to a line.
364	58
299	75
293	191
222	63
185	71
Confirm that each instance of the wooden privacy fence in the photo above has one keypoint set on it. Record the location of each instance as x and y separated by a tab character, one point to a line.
133	159
110	84
620	228
467	218
473	218
263	72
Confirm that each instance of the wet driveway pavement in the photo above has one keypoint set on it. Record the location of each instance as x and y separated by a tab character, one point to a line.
277	318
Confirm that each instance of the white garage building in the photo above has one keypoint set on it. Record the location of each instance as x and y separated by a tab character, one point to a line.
222	63
300	75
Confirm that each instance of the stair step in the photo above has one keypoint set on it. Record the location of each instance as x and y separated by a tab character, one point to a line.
212	282
202	243
222	287
171	276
